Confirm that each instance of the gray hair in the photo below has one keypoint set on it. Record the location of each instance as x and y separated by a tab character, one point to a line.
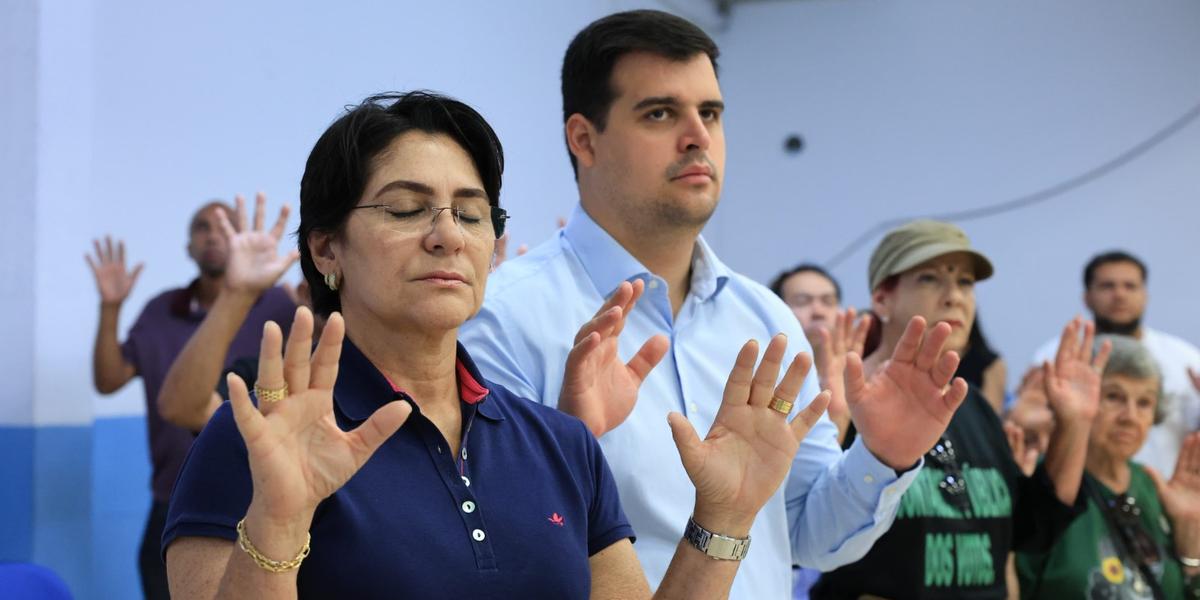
1131	359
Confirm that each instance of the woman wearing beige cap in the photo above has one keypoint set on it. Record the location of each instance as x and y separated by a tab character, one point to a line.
971	505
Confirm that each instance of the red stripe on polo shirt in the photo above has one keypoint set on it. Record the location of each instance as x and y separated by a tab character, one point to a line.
469	390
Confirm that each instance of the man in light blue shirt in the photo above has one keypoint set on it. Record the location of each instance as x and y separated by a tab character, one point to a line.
642	112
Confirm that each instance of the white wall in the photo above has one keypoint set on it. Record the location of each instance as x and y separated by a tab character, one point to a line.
148	110
915	108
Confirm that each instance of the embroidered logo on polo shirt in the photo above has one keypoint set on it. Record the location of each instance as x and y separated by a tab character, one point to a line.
556	519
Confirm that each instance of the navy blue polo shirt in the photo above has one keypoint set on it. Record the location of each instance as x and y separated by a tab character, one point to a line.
516	514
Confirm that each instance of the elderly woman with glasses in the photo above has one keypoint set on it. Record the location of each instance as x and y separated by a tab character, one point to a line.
1140	536
318	491
971	504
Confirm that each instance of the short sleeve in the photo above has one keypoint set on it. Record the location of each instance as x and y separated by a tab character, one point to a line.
214	486
129	349
607	523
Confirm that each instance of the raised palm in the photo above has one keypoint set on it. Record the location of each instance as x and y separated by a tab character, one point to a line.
298	454
750	447
598	387
1181	495
908	403
255	263
830	350
1072	381
113	280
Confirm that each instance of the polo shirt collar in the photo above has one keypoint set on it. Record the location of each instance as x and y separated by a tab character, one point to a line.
361	388
607	263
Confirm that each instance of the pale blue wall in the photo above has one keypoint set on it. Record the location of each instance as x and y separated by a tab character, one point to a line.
124	116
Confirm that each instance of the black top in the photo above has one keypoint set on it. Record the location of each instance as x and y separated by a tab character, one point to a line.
955	545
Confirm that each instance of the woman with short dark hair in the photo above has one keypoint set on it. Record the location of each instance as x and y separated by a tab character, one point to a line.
1140	535
480	494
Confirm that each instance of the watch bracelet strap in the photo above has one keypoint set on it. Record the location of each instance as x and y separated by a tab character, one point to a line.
715	545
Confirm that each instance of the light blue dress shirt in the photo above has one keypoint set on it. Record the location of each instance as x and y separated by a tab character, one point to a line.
833	506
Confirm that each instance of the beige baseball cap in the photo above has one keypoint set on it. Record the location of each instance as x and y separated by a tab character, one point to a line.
918	241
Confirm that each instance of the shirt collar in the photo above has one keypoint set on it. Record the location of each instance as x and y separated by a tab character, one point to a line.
361	388
607	263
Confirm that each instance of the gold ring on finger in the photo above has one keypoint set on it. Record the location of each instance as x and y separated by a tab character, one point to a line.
780	405
271	396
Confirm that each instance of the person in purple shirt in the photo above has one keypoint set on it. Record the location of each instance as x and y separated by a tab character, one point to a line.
157	337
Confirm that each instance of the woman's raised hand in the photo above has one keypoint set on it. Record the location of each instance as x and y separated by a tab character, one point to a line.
298	454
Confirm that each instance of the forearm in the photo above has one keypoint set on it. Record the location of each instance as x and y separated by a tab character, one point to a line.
693	574
275	539
1187	540
835	516
109	368
1065	457
186	398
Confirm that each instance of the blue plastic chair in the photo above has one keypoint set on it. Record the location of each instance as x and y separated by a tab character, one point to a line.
27	581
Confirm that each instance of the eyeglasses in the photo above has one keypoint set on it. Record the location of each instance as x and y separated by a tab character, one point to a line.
953	484
479	220
1127	515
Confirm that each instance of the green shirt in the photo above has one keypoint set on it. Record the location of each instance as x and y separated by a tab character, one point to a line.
1086	563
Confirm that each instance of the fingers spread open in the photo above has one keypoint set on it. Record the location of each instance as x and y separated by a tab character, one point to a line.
859	339
946	366
638	288
281	222
260	211
648	356
324	363
954	396
249	421
856	382
270	360
226	227
1089	338
602	324
808	417
686	441
100	257
1068	343
793	379
737	387
910	341
580	353
768	371
1101	359
299	349
931	347
239	214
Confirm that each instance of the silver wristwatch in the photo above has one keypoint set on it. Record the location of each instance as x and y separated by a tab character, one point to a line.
720	547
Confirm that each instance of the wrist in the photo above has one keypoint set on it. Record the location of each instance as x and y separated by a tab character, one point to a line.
724	522
276	536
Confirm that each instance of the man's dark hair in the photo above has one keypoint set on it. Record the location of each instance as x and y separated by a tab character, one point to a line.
1112	256
777	283
341	163
588	64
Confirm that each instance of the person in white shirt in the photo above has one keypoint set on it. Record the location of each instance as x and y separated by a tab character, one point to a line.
1114	286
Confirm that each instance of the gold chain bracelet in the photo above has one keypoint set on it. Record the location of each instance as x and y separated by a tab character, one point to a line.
274	566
